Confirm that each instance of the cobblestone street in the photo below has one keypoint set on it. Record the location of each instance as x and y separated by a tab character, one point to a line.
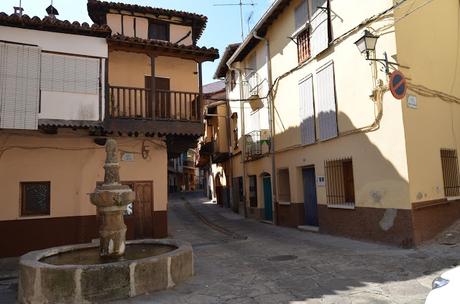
244	261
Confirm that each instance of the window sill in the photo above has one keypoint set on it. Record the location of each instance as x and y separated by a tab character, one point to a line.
33	217
453	198
284	203
342	206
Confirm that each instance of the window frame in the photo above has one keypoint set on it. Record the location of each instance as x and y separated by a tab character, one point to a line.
153	22
452	171
338	195
281	194
23	195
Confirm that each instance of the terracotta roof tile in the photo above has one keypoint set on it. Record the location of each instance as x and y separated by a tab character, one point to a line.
222	68
54	25
207	53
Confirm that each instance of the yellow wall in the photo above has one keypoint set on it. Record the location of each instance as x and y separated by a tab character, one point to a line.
379	157
130	69
428	44
73	173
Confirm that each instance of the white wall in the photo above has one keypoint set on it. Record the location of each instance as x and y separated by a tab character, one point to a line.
57	42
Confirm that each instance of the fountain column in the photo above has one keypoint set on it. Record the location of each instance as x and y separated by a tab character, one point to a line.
111	200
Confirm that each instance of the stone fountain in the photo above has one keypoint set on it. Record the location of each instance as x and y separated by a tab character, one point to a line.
111	200
114	269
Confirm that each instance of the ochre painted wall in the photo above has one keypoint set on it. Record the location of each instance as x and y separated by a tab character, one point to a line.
428	43
73	173
130	69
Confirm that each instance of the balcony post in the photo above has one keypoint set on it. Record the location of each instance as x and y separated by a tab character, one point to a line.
152	86
199	101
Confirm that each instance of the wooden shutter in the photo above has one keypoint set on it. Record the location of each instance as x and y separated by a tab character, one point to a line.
326	103
70	74
319	27
307	111
19	82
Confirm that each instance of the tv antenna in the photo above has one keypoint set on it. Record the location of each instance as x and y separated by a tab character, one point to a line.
240	4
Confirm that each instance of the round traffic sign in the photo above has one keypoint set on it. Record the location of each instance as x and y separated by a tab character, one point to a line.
398	85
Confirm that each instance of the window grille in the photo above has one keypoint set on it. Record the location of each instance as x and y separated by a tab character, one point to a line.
303	45
340	182
450	172
35	198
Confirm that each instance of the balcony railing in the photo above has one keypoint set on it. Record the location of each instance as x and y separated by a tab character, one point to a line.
138	103
257	144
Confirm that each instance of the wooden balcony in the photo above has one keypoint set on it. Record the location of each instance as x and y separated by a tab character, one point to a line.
164	112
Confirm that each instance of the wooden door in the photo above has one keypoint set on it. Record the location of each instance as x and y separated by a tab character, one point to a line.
142	209
268	203
309	196
162	96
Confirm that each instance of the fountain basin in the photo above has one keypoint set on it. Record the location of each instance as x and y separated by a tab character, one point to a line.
74	274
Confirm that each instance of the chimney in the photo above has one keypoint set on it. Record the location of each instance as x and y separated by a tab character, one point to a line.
18	10
52	12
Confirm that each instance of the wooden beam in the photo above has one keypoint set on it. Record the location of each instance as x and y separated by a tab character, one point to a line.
152	85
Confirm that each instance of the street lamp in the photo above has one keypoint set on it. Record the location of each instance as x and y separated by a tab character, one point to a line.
366	44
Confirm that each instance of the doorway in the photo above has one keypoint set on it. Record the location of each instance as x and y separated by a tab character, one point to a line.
162	96
268	203
141	210
309	196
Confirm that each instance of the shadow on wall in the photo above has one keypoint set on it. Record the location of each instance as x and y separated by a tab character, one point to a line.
381	194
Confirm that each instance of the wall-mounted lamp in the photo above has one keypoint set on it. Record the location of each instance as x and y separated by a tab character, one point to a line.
367	43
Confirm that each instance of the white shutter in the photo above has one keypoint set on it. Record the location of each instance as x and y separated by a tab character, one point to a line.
70	74
307	111
301	14
326	103
20	86
319	28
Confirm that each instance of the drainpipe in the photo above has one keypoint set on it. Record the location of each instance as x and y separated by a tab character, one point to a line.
243	152
271	115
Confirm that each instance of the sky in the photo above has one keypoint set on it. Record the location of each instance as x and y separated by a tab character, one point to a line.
222	29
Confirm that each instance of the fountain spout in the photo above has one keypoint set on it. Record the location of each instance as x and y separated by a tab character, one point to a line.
111	200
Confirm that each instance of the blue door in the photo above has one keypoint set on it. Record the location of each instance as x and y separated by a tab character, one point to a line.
309	197
268	198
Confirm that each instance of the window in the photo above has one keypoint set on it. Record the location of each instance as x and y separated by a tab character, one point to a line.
235	130
340	186
326	102
158	30
284	186
253	191
232	80
449	162
303	45
35	198
307	111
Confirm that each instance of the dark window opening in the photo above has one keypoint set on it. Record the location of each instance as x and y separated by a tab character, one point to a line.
253	191
35	198
159	30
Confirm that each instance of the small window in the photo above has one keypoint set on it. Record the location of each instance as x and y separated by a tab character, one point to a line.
235	130
450	172
159	30
253	191
340	186
284	186
35	198
303	45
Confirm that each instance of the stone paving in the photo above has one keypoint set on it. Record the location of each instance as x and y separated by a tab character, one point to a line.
239	261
